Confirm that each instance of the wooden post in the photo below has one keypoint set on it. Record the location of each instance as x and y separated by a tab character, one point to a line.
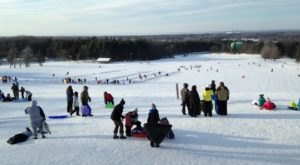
177	91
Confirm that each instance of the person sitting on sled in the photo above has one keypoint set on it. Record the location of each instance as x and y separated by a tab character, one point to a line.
131	118
269	105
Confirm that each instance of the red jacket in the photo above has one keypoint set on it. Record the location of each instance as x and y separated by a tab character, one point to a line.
108	97
268	105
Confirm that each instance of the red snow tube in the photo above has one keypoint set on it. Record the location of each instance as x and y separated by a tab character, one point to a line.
157	132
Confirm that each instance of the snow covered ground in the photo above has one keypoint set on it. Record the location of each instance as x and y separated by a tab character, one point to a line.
246	136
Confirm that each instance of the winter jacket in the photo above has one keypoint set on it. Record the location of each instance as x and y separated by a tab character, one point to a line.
268	105
194	98
222	93
75	101
153	116
261	101
130	117
207	94
185	94
35	112
70	94
84	97
117	112
108	97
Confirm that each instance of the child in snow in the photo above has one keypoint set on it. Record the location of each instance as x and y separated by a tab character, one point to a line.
261	100
269	105
293	106
76	104
131	118
108	98
20	137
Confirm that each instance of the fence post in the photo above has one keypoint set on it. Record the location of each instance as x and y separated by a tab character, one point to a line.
177	91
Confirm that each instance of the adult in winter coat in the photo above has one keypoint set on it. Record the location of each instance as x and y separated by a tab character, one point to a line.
36	117
117	117
194	102
269	105
69	94
131	118
108	98
207	96
261	100
222	98
84	96
153	116
15	90
185	98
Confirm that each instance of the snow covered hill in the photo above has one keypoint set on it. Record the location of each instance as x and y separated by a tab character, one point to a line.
246	136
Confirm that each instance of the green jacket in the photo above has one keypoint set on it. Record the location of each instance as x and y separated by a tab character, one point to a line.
261	101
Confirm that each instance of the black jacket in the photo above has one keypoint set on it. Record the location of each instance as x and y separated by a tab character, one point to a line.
117	112
153	116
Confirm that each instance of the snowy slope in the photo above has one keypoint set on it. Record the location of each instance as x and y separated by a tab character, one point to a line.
246	136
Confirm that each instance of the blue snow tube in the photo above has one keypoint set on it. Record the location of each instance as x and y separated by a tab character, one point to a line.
58	117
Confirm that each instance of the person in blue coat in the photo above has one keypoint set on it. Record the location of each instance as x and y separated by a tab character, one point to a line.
153	116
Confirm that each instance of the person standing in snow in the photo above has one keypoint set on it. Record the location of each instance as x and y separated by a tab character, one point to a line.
117	118
37	117
222	98
207	96
194	102
213	86
185	98
85	98
76	104
22	90
69	94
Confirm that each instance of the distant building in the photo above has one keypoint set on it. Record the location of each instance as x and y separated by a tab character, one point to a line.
103	60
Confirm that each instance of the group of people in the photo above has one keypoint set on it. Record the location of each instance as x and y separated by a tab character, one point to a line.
191	99
263	103
73	102
15	89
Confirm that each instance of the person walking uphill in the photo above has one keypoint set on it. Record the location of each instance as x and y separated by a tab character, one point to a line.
70	94
194	102
185	98
37	117
117	118
222	98
85	98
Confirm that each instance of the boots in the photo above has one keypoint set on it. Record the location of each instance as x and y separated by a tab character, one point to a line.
115	136
122	136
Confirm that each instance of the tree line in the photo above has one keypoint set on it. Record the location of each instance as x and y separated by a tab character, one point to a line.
24	50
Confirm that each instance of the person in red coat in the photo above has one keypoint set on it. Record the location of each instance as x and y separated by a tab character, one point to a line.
269	105
108	98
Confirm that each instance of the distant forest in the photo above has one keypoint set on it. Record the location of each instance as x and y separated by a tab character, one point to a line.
24	50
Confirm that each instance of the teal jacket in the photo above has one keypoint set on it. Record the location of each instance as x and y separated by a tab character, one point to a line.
299	105
261	101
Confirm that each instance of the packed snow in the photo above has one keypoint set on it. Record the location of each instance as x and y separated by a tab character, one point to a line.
246	136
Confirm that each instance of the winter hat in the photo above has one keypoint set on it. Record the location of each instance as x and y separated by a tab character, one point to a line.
185	85
261	95
122	101
153	106
34	103
135	110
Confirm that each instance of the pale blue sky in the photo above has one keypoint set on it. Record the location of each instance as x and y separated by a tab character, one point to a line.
124	17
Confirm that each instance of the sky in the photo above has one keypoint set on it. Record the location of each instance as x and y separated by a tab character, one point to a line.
139	17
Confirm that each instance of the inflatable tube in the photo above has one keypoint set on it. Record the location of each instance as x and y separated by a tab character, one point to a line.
58	117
